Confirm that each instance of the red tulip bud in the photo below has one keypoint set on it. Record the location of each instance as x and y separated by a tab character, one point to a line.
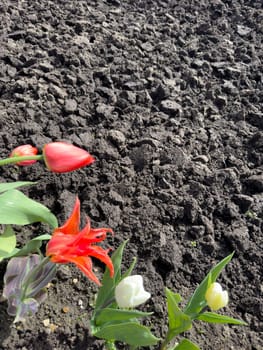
22	151
61	157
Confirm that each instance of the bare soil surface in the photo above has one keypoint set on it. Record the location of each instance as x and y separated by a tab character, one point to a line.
167	95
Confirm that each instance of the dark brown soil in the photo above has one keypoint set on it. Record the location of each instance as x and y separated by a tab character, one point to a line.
167	95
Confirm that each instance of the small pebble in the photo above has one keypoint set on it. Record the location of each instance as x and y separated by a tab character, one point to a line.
65	309
46	322
70	106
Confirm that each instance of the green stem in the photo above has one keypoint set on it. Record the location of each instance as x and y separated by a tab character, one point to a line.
106	304
12	160
110	345
164	344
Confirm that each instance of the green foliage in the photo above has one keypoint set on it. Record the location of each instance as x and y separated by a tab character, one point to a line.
178	321
18	209
213	317
186	344
32	246
197	301
113	324
181	320
27	275
129	332
106	292
108	315
7	243
12	185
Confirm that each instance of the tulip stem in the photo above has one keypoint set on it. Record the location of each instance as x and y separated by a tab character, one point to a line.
12	160
110	345
164	345
106	304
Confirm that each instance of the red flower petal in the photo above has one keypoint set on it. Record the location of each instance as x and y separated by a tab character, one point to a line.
62	157
24	150
94	235
84	263
71	226
101	254
68	244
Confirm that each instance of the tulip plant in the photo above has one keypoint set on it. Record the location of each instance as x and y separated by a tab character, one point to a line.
59	157
115	317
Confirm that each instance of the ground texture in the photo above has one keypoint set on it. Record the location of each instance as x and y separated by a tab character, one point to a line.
167	95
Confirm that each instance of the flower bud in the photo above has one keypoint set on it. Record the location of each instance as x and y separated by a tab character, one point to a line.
62	157
130	292
215	297
22	151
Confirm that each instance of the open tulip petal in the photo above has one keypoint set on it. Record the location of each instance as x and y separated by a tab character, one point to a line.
98	234
58	244
102	255
69	244
85	265
141	298
59	259
130	292
94	235
125	299
71	226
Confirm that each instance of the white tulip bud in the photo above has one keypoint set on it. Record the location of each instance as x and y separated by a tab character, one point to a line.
215	297
130	292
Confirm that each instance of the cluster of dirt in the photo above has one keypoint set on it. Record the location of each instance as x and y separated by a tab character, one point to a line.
167	95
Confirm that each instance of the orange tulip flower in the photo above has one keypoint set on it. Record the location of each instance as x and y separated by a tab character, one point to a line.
68	244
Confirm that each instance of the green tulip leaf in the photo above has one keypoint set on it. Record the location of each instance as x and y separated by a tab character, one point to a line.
109	315
186	344
7	243
197	301
32	246
178	321
212	317
130	269
12	185
18	209
131	333
106	292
